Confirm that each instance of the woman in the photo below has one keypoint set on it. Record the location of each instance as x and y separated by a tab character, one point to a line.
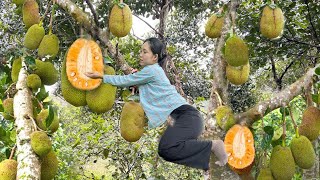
159	99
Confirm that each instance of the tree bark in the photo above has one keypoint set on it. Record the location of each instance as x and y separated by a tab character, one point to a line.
29	167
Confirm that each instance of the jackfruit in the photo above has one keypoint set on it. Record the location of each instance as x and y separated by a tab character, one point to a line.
120	21
265	174
101	99
33	37
33	81
49	166
72	95
18	2
303	152
49	46
214	26
236	51
16	66
132	121
272	22
310	125
238	75
282	163
8	169
41	121
30	13
47	72
40	143
8	109
125	94
225	117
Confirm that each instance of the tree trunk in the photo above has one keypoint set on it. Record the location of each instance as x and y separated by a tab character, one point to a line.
29	167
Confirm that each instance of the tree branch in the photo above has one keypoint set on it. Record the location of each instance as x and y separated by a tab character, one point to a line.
274	71
299	42
157	32
94	13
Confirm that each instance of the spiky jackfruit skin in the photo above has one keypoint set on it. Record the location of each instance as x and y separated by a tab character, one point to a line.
272	22
132	121
33	81
282	163
8	169
33	37
265	174
120	21
310	125
41	121
303	152
49	166
30	13
214	26
49	46
18	2
47	72
72	95
238	75
236	51
40	143
8	109
101	99
16	66
225	117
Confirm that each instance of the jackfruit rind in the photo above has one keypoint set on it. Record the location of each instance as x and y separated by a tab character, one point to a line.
41	121
265	174
303	152
311	132
47	72
120	21
132	121
225	117
282	163
8	109
33	37
8	169
310	125
238	75
40	143
49	46
272	22
49	166
33	81
71	94
18	2
16	66
236	51
101	99
214	26
30	13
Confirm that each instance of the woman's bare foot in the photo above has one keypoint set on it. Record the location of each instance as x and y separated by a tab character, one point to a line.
219	150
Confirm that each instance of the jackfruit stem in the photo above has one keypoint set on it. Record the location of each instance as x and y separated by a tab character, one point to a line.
219	98
47	10
284	129
297	132
293	121
51	17
13	151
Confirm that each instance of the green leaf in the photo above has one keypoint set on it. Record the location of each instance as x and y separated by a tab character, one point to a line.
269	130
31	63
42	94
134	98
317	71
315	98
267	110
50	117
2	132
1	106
107	60
284	109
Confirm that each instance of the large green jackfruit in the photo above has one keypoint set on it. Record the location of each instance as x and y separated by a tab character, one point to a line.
282	163
265	174
102	98
49	46
132	121
272	22
30	13
214	26
303	152
16	66
49	166
238	75
310	125
236	51
33	81
40	143
8	169
33	37
47	72
8	109
72	95
225	117
41	121
120	21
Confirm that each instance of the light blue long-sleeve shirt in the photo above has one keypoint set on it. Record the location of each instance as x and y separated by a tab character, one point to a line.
157	96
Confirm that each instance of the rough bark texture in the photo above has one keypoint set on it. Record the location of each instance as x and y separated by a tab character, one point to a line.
29	167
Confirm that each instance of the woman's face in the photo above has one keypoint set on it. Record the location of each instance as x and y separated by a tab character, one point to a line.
146	55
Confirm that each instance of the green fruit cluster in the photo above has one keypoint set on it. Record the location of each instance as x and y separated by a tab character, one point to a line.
282	163
8	169
41	121
225	117
40	143
33	82
310	125
120	21
30	13
8	109
272	22
214	26
49	166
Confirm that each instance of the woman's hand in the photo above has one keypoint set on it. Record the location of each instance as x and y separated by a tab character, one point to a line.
94	75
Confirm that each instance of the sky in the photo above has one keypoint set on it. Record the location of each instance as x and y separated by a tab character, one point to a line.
140	28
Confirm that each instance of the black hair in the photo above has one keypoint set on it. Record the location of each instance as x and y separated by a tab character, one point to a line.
157	47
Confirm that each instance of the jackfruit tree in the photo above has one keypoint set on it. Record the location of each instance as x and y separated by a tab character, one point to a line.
250	67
